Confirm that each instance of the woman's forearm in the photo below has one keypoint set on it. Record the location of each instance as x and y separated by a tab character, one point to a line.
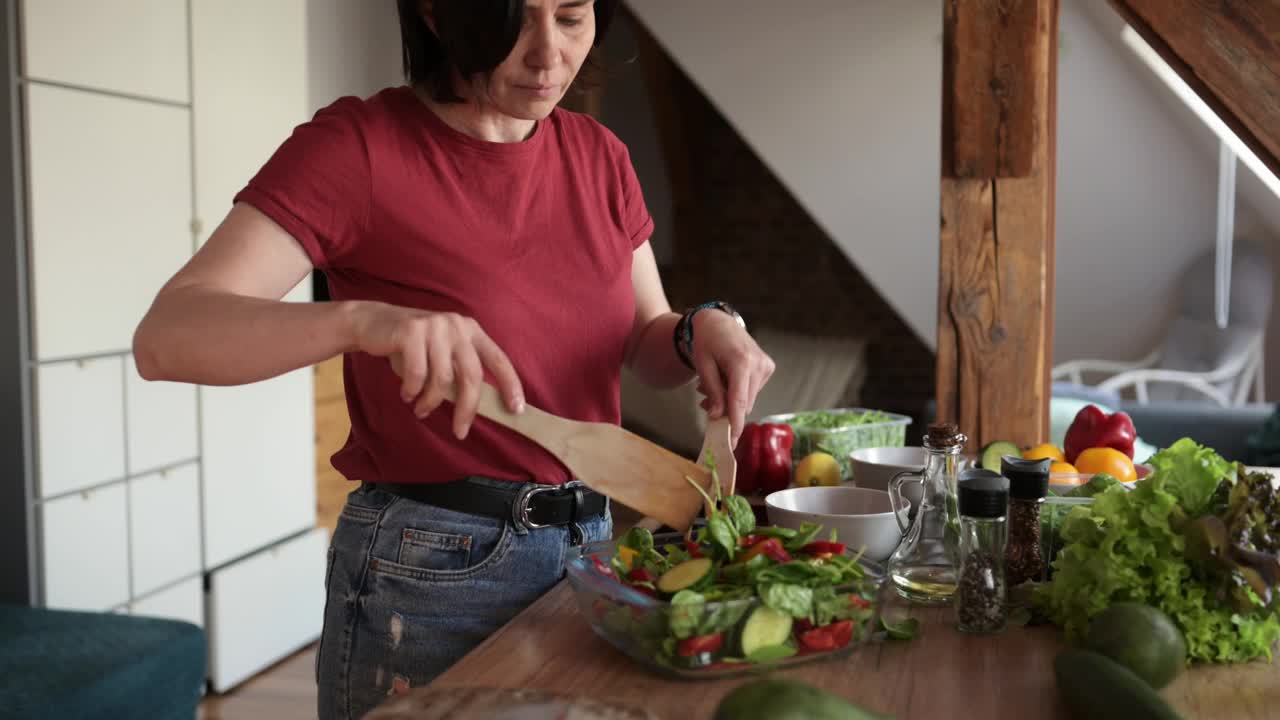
213	337
653	358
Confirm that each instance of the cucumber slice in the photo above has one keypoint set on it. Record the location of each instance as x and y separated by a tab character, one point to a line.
687	574
765	627
991	454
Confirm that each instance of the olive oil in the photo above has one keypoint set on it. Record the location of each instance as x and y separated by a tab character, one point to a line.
925	584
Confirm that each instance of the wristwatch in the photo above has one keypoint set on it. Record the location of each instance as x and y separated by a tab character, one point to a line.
683	335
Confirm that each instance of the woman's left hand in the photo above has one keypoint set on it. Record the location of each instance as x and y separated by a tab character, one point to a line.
731	367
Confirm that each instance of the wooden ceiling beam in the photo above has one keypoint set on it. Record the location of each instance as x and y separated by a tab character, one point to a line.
1228	51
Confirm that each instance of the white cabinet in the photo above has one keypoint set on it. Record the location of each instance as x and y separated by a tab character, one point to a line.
86	550
265	607
136	47
160	422
164	521
183	601
110	199
80	424
258	447
236	65
134	114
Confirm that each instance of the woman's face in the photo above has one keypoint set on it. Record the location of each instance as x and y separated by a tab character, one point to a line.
553	44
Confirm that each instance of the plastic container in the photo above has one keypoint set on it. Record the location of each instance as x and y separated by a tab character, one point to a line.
640	626
1062	483
1052	515
841	441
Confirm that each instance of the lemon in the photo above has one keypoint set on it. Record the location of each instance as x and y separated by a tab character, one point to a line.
1046	450
817	469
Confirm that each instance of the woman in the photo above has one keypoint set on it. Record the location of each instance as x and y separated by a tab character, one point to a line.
470	232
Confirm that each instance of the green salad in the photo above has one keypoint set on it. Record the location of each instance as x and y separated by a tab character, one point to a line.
813	595
1197	539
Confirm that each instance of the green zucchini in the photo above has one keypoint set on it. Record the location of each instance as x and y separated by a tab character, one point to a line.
989	458
1095	686
688	574
765	627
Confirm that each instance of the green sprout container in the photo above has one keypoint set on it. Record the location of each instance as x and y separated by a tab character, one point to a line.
874	428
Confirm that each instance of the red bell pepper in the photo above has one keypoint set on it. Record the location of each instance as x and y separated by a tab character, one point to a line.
828	637
694	646
691	547
823	547
1094	428
770	548
603	568
764	458
641	575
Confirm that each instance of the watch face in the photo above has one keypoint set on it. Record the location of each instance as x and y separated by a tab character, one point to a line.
736	316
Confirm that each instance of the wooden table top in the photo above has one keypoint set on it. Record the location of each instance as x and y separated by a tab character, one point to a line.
940	674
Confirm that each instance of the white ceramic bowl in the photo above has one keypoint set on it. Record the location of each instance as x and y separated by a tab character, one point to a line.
861	517
874	467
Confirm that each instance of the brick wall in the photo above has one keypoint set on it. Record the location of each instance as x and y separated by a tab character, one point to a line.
745	239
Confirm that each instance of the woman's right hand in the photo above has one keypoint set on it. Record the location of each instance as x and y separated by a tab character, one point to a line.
432	351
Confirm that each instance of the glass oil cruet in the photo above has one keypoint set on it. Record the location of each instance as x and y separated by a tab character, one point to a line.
924	566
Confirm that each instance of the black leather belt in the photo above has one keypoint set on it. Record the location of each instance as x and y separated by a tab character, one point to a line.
528	504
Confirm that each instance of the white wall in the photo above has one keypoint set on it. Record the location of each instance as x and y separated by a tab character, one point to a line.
1137	195
843	102
353	48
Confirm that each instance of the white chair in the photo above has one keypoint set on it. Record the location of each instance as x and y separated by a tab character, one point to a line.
1197	361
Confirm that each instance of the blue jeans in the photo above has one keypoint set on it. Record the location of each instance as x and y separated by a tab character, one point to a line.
411	588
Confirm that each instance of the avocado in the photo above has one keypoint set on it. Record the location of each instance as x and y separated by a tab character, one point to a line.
1096	687
1141	638
778	699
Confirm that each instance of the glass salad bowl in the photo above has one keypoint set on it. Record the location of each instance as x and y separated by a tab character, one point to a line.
689	637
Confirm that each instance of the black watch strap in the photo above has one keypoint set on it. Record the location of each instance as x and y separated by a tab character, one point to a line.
682	337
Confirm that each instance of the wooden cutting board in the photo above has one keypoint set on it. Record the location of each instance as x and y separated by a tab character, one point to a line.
480	703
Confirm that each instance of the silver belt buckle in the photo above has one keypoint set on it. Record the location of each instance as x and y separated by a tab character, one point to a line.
522	502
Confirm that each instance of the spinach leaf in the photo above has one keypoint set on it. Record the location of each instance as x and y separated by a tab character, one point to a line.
904	630
675	554
781	533
722	617
688	597
830	606
745	573
686	614
739	509
793	600
723	534
638	539
771	653
808	533
801	572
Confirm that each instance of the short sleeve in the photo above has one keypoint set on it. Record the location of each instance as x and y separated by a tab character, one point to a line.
317	185
637	222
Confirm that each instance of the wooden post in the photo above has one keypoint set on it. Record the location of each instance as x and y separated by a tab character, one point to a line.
995	291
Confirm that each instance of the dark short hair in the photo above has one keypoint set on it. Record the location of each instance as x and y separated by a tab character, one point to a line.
472	37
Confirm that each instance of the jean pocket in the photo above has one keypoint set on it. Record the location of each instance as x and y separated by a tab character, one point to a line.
446	553
429	550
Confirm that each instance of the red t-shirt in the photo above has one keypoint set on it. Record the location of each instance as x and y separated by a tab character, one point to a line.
533	240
